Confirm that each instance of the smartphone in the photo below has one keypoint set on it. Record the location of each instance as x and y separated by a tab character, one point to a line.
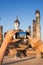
22	35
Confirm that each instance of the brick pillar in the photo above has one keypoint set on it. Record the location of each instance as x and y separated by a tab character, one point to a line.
34	29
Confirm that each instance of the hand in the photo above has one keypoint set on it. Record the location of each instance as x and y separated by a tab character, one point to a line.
34	42
5	43
9	36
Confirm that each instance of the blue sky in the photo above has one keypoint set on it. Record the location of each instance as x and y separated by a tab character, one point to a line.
24	9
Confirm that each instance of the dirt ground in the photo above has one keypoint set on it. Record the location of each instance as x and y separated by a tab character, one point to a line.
24	61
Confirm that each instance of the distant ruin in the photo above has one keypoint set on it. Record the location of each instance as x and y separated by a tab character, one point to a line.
13	50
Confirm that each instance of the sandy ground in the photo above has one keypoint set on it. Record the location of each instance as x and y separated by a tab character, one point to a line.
24	61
